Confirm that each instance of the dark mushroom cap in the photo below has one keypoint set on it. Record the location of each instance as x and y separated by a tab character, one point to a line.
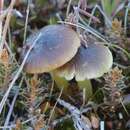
88	63
55	47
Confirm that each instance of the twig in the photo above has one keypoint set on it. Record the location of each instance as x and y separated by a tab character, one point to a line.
79	124
67	116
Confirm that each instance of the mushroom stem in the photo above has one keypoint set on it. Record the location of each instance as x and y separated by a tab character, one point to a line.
60	82
86	84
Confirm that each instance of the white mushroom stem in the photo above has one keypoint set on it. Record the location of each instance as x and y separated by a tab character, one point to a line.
86	84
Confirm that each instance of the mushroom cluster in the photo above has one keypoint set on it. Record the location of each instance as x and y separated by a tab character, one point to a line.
56	45
59	51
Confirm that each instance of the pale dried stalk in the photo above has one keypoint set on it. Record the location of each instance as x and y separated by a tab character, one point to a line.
79	124
2	103
87	29
88	15
11	109
6	25
1	8
52	111
26	22
68	8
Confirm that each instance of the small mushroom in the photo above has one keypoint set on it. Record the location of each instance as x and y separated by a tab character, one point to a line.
89	62
57	45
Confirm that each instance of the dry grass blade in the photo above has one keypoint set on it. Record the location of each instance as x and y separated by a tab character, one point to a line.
11	109
68	8
6	25
52	111
108	21
89	15
26	22
1	8
16	76
126	17
87	29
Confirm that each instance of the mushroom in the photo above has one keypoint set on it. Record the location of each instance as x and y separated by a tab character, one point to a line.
56	45
58	51
89	62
